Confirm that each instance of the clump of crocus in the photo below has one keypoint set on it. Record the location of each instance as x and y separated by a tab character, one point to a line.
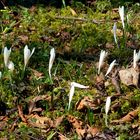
121	13
27	55
72	88
110	67
103	55
6	56
136	58
107	107
52	57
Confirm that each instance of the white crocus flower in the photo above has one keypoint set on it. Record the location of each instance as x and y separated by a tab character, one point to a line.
52	57
121	13
72	88
103	55
136	58
77	85
114	32
110	67
11	66
6	56
107	107
27	55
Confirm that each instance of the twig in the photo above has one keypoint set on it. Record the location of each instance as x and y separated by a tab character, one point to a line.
80	19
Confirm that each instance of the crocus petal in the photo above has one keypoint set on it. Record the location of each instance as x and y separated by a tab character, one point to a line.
73	85
6	56
107	105
136	58
78	85
11	66
103	54
114	32
27	55
52	57
110	67
121	13
32	52
71	95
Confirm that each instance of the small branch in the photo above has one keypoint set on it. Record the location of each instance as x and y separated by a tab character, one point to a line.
79	19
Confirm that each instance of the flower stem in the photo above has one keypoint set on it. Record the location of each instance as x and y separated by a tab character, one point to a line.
106	120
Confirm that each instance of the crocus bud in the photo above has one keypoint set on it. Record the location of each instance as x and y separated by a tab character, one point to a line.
103	55
107	105
136	58
27	55
11	66
110	67
52	57
72	88
6	56
114	32
121	13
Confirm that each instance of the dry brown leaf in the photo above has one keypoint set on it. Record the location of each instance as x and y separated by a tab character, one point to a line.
118	32
37	109
115	81
3	124
87	103
40	122
36	99
62	137
128	118
58	121
3	139
23	38
82	129
129	77
77	124
93	130
109	45
37	74
21	115
100	82
43	122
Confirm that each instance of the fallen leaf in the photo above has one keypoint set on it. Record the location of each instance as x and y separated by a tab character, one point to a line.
32	102
21	115
58	121
109	45
24	38
3	125
40	121
37	74
118	32
128	118
129	77
83	130
62	137
93	130
86	102
115	82
100	82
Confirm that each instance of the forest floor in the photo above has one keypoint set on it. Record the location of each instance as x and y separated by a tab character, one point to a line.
35	106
